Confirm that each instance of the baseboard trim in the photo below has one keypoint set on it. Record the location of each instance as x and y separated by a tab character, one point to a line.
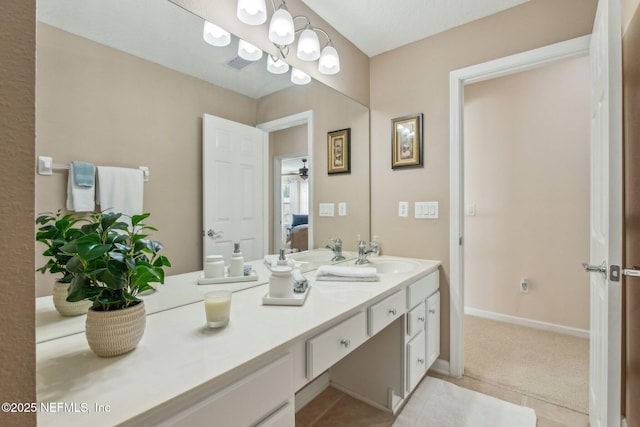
360	397
623	423
441	367
311	390
537	324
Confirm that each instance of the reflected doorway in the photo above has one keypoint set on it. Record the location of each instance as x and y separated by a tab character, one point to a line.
294	205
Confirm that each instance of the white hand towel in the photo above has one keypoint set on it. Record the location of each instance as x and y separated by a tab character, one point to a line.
350	274
79	198
120	190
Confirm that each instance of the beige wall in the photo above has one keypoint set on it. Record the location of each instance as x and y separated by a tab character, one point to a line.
415	78
107	107
353	78
293	142
527	173
331	111
17	132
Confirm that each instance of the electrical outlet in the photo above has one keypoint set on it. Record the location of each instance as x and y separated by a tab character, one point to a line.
524	286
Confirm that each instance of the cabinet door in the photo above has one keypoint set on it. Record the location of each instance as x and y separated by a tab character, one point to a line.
433	328
416	363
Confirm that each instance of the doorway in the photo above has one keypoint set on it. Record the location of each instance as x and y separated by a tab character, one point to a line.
293	189
460	78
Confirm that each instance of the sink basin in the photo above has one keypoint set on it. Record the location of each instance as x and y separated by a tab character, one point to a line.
393	266
310	260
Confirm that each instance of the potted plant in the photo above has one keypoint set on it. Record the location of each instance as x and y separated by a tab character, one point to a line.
111	263
55	230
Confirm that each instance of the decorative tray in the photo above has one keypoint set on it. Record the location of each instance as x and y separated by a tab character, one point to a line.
298	298
227	279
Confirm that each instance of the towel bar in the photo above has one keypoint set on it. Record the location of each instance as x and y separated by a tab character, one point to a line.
46	166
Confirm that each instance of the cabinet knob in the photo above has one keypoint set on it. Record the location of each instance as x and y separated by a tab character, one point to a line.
421	361
432	310
421	319
392	311
345	342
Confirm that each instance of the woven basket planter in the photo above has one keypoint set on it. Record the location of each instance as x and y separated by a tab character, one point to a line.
112	333
64	307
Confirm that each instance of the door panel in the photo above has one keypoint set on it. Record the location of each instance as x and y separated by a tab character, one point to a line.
233	198
605	210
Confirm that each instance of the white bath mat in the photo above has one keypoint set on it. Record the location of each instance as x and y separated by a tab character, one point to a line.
438	403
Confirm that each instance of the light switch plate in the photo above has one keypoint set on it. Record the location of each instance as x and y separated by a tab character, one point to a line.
342	209
403	209
426	210
327	209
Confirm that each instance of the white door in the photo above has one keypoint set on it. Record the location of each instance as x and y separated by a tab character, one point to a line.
233	188
606	215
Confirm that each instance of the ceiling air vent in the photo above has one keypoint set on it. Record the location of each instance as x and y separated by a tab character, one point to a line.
238	63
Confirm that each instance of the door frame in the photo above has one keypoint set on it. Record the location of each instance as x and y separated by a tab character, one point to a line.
305	117
457	80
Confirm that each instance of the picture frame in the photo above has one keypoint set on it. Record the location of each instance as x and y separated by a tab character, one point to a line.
406	142
339	151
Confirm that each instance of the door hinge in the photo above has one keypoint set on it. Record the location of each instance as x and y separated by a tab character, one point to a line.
614	273
460	241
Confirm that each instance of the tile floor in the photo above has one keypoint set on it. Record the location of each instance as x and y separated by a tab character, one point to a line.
334	408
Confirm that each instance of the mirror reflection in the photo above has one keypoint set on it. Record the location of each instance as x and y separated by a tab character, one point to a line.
126	84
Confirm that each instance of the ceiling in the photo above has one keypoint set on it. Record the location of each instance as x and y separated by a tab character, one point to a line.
402	22
163	33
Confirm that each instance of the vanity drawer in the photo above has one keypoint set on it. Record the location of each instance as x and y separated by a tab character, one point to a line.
386	311
246	401
416	319
327	348
416	363
422	288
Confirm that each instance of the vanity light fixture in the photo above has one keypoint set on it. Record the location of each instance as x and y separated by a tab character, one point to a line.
276	66
215	35
299	77
252	12
282	34
248	51
304	171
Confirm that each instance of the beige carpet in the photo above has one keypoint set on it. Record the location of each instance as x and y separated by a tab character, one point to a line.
549	366
437	403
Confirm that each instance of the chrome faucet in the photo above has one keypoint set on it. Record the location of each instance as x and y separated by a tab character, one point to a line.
364	250
337	250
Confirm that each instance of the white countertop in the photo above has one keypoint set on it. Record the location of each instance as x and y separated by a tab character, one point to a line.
178	353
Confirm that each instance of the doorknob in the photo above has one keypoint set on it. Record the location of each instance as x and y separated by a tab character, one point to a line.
213	234
602	268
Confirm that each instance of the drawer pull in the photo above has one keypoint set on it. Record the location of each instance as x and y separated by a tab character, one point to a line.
392	311
421	319
432	310
345	342
421	361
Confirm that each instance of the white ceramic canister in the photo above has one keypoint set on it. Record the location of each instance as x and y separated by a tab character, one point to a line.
281	283
214	266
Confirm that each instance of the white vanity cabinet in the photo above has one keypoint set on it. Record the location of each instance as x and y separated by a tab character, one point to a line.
422	337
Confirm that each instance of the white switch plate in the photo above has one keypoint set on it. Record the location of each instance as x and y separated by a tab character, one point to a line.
426	210
403	209
342	209
471	209
327	209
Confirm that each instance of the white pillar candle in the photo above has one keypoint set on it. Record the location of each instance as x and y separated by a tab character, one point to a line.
217	305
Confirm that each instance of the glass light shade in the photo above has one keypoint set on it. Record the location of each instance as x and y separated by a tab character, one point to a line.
215	35
248	51
252	12
329	61
308	45
276	66
299	77
281	30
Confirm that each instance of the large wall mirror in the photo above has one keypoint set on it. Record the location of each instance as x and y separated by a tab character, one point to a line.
123	83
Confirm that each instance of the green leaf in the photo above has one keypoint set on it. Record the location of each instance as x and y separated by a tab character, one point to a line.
75	266
135	219
92	251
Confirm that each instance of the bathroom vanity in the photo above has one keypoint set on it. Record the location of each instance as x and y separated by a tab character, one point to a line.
374	340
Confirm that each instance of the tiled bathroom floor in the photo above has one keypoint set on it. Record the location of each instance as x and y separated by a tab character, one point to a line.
334	408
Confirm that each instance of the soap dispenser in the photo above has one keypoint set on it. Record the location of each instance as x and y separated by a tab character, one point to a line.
236	268
282	260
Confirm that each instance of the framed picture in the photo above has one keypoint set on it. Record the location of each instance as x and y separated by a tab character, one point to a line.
339	151
406	141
